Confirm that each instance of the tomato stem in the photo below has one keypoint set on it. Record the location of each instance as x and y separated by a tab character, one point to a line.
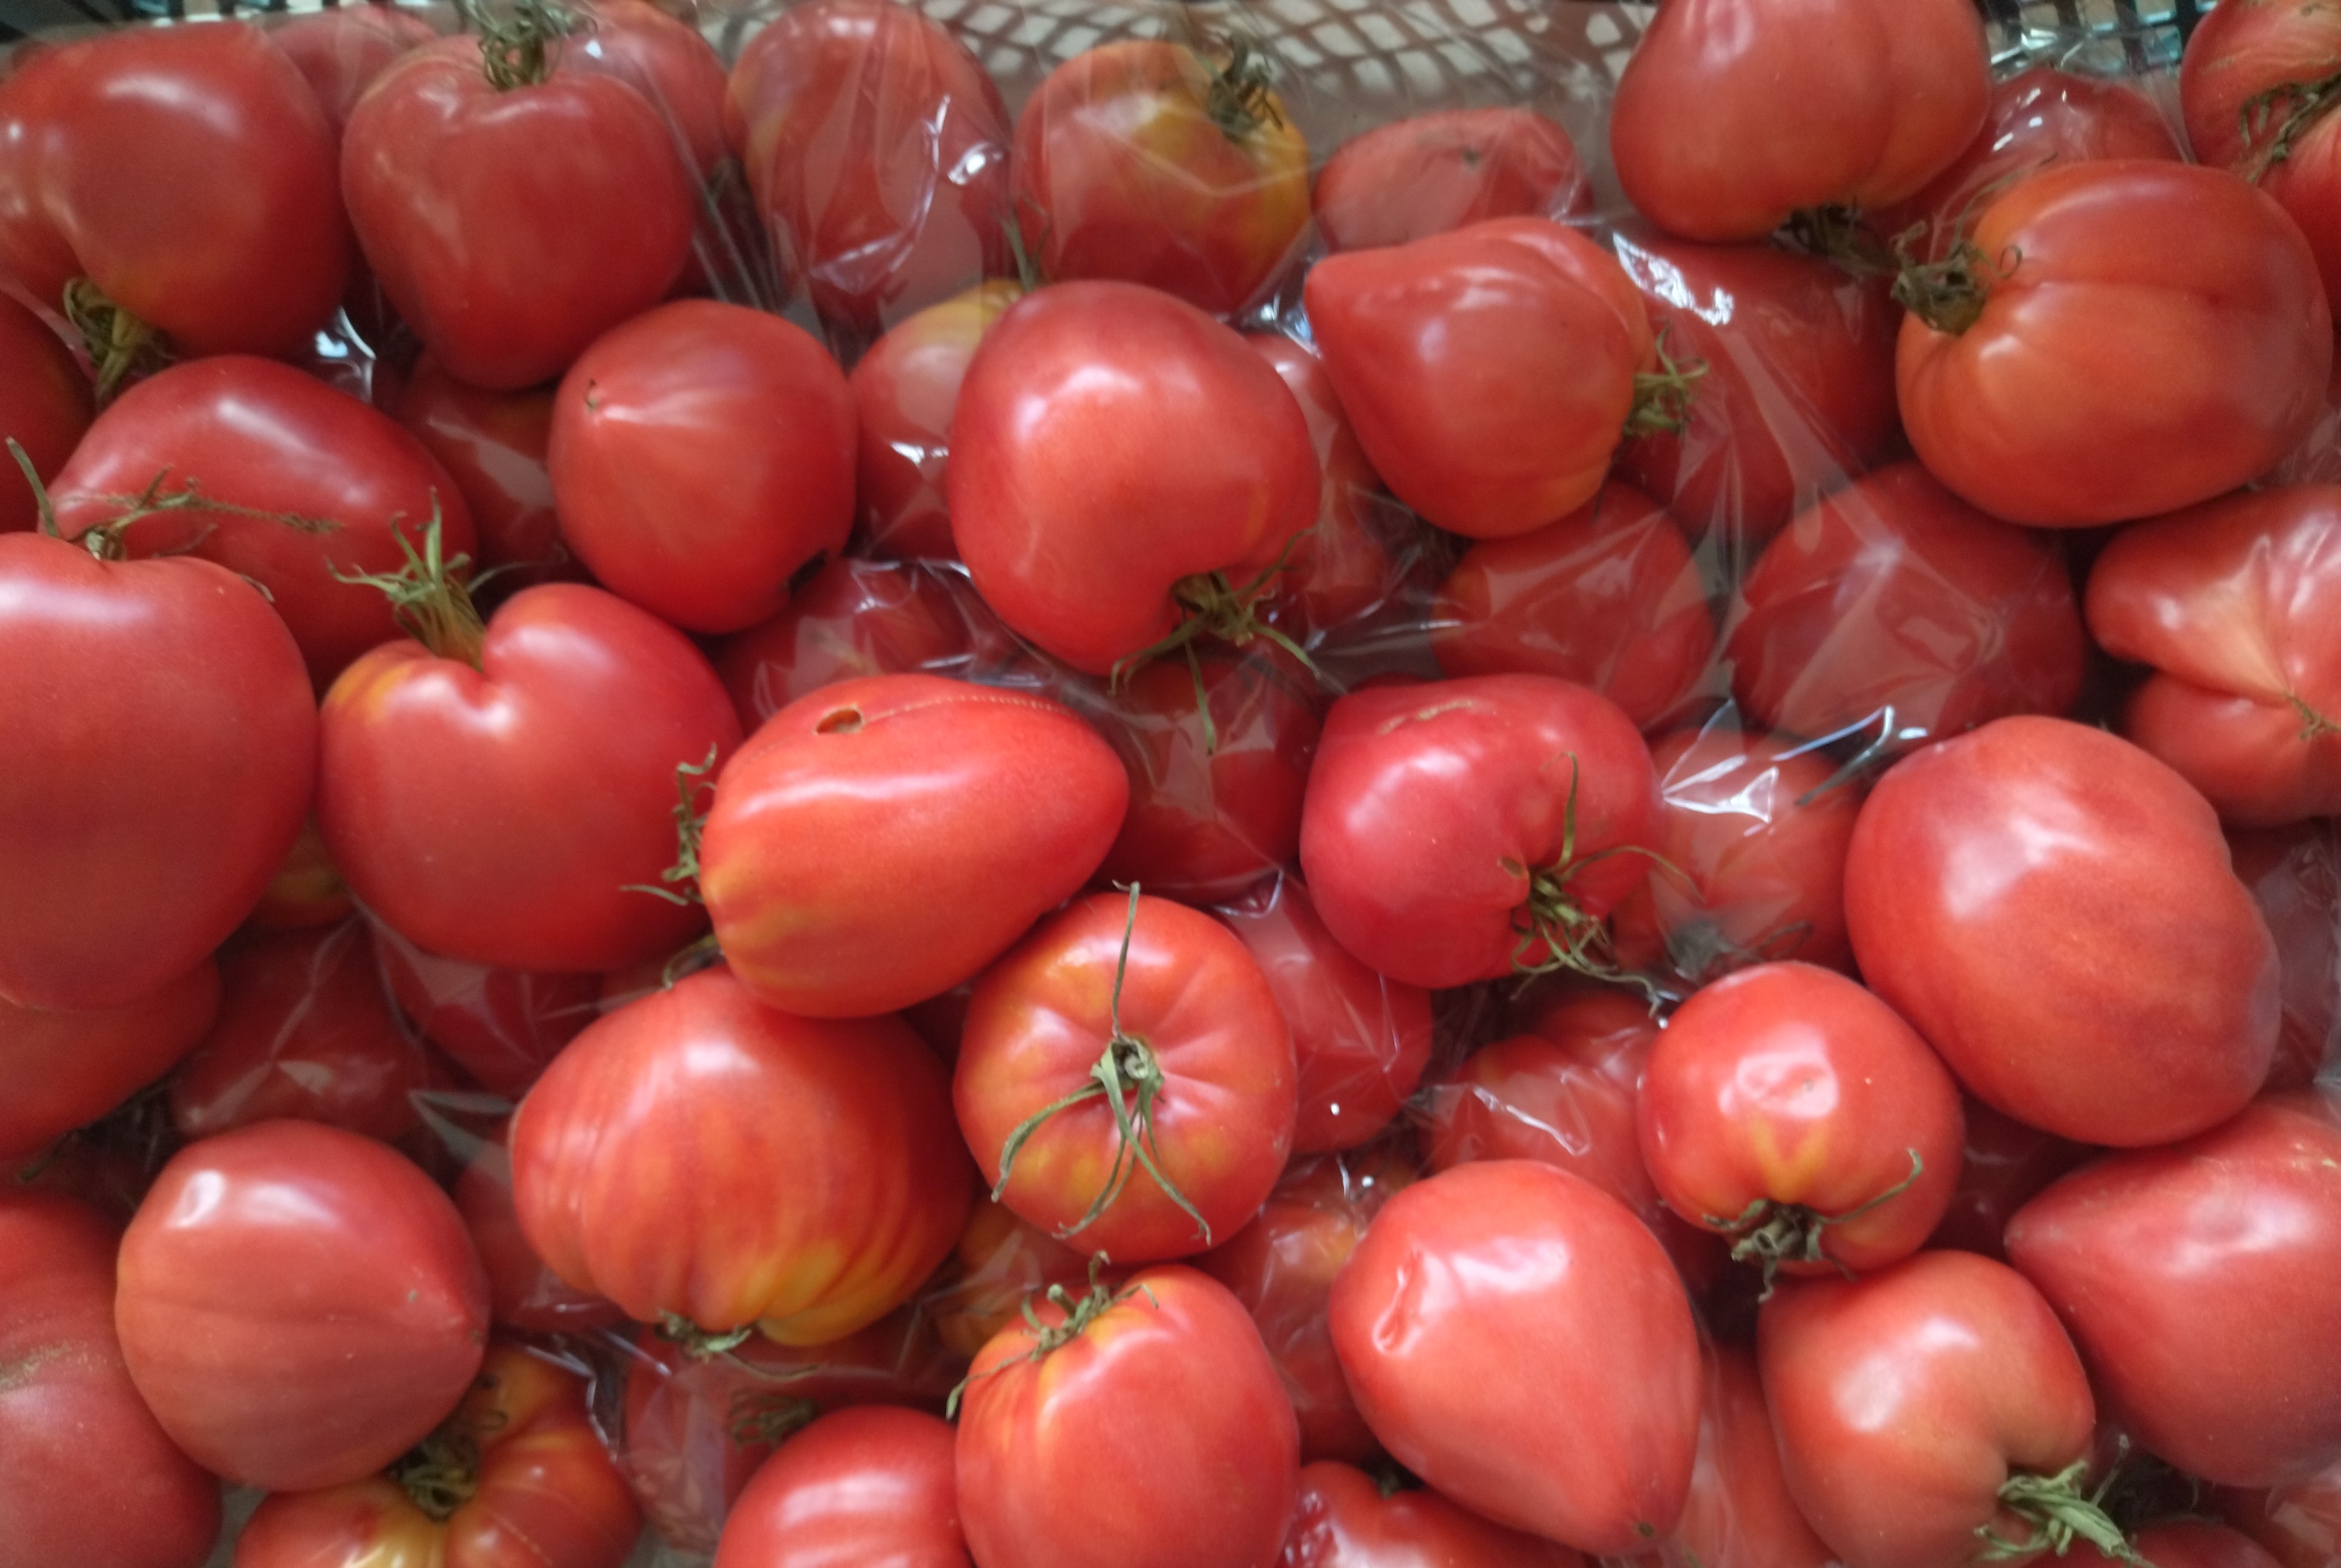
1215	607
2313	724
1949	296
1240	99
1555	931
47	510
2059	1514
122	347
1772	1234
2290	108
442	1472
517	51
762	1419
1048	1339
431	595
1663	398
1837	233
690	822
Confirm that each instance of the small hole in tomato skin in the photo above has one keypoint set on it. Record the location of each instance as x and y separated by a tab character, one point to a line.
845	722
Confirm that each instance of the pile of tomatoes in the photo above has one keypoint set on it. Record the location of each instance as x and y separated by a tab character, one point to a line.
748	809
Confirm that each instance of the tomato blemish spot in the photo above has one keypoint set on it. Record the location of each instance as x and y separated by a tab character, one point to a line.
845	722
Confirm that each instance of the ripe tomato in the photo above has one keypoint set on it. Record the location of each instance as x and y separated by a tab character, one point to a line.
340	52
1124	467
447	790
2203	1284
1165	1383
872	1485
851	618
2300	1525
667	60
314	486
1343	567
89	1477
517	1478
1994	878
904	390
1740	1514
1459	831
169	168
45	405
1754	830
883	839
1149	163
298	1305
2020	367
1789	1109
1799	390
2294	875
1125	1076
1607	597
2185	1544
2257	92
1344	1519
1428	174
1490	372
2005	1166
500	1025
2236	604
514	205
1922	1405
1892	604
142	819
1360	1039
492	445
63	1069
521	1292
815	1179
999	1262
1516	1338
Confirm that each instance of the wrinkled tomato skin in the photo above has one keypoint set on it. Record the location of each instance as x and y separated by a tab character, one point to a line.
503	1027
298	1305
2261	46
2294	875
2007	1166
521	1292
2104	976
851	618
2203	1280
1343	567
89	1478
2299	1525
904	390
1739	1514
492	445
45	405
66	1070
341	53
1343	1521
873	1485
1434	173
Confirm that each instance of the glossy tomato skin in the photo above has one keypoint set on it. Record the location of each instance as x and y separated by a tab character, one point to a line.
502	1026
873	1485
1431	806
448	793
2037	411
2233	603
65	1069
1488	372
2007	1166
2093	849
1168	1389
881	841
1740	1514
1110	443
89	1477
2259	48
1607	597
117	158
1516	1338
1344	566
2203	1282
298	1305
511	228
1903	1401
1342	1520
1878	97
521	1292
1195	998
45	405
1894	604
701	454
492	445
2294	875
1123	170
547	1493
144	818
1428	174
340	52
815	1179
851	618
904	390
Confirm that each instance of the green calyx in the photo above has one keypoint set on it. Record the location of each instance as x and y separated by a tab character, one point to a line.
1079	1312
1553	931
1663	398
1213	607
1769	1233
431	595
517	49
2060	1513
681	878
122	347
442	1472
2274	121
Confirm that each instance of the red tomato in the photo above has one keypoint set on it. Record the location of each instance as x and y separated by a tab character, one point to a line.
1344	1520
1490	372
45	405
1734	114
298	1305
873	1485
521	1292
904	390
851	618
448	777
341	53
306	890
1753	829
2005	1166
2256	92
1147	162
1788	1108
514	204
667	60
2300	1525
1124	467
877	149
1432	173
500	1025
1516	1338
529	1486
701	454
1739	1514
2053	910
1361	1040
998	1263
2024	375
1919	1405
1799	390
90	1479
2294	875
1459	831
2203	1284
492	445
2236	604
142	818
313	485
304	1029
2186	1543
1161	1384
63	1069
171	168
883	839
814	1179
1342	568
1158	1030
1607	597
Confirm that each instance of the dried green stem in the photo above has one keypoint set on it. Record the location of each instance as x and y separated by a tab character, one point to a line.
122	347
1772	1234
690	781
431	595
